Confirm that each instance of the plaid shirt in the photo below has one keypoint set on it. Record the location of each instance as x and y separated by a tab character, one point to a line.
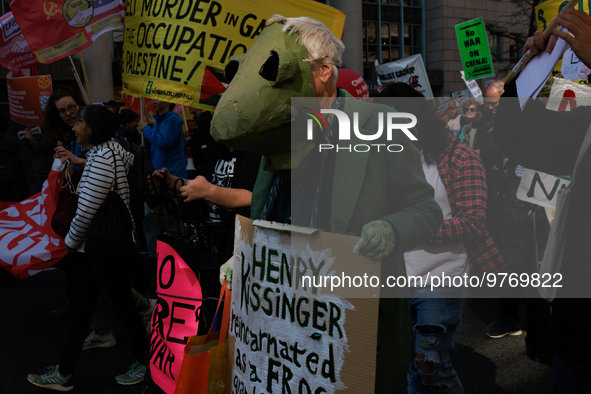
464	179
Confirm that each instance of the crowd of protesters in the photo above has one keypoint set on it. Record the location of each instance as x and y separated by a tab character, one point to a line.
471	155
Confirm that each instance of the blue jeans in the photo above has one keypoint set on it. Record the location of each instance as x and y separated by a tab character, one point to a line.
435	327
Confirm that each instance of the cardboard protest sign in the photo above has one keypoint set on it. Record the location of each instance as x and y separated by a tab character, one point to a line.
286	334
174	318
27	97
28	244
15	52
474	49
59	28
410	70
176	51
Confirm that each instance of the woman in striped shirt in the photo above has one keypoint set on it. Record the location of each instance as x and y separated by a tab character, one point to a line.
106	167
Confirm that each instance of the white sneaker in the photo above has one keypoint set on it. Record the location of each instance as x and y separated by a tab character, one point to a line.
147	315
95	340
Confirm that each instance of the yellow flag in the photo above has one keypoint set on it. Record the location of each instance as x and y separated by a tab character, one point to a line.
176	51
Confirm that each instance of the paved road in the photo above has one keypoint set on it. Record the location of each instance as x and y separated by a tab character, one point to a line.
30	342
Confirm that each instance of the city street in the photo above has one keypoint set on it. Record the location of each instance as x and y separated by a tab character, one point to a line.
30	342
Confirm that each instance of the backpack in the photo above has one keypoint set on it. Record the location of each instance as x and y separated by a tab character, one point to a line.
139	171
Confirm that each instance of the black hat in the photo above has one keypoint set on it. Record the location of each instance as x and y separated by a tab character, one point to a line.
111	103
127	115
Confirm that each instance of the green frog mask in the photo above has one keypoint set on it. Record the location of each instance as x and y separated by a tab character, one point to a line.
255	112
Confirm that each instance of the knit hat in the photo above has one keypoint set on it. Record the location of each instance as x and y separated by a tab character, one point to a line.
127	115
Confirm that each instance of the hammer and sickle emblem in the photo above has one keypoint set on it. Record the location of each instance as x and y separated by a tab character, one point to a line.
52	9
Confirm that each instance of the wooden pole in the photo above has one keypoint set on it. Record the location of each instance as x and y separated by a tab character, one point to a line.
529	55
79	82
185	119
86	77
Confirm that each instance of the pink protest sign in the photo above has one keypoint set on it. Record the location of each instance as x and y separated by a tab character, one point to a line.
174	318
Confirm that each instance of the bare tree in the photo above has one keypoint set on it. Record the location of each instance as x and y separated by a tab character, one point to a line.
515	29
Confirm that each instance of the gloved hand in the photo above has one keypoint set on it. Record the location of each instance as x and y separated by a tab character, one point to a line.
226	272
377	240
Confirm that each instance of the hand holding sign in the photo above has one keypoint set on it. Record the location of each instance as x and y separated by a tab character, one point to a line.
226	271
578	23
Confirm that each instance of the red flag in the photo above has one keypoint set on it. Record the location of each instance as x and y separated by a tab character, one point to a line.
27	97
58	28
15	52
28	244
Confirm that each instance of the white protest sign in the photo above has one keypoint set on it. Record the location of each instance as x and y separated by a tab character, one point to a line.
287	335
410	70
474	88
564	94
573	67
539	188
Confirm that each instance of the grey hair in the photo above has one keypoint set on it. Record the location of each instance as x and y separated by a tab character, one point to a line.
316	38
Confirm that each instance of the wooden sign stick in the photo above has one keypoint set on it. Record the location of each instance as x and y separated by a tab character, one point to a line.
79	82
529	55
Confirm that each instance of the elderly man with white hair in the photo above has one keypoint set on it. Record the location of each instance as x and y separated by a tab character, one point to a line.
381	196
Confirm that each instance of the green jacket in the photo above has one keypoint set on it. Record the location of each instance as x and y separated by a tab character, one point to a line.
370	186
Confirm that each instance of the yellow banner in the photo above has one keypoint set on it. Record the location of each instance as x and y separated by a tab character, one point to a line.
176	51
547	11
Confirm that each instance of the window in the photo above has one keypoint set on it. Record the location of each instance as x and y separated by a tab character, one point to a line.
515	48
495	44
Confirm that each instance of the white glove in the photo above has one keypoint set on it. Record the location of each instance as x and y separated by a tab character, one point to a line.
226	273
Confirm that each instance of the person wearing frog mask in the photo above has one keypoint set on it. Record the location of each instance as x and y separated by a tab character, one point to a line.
383	197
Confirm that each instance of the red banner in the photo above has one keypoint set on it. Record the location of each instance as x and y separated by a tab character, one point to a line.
174	318
27	97
28	244
15	52
59	28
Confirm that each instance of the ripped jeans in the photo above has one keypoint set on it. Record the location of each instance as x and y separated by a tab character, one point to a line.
435	328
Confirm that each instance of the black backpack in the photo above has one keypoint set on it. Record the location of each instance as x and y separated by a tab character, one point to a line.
141	168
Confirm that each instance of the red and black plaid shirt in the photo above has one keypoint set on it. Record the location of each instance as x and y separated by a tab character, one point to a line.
464	178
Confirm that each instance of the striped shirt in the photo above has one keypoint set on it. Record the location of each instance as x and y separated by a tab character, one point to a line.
98	179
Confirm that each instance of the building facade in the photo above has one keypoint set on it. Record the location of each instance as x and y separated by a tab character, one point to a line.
394	29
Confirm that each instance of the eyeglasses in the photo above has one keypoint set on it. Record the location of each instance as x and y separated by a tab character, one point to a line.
71	110
471	110
493	104
452	108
